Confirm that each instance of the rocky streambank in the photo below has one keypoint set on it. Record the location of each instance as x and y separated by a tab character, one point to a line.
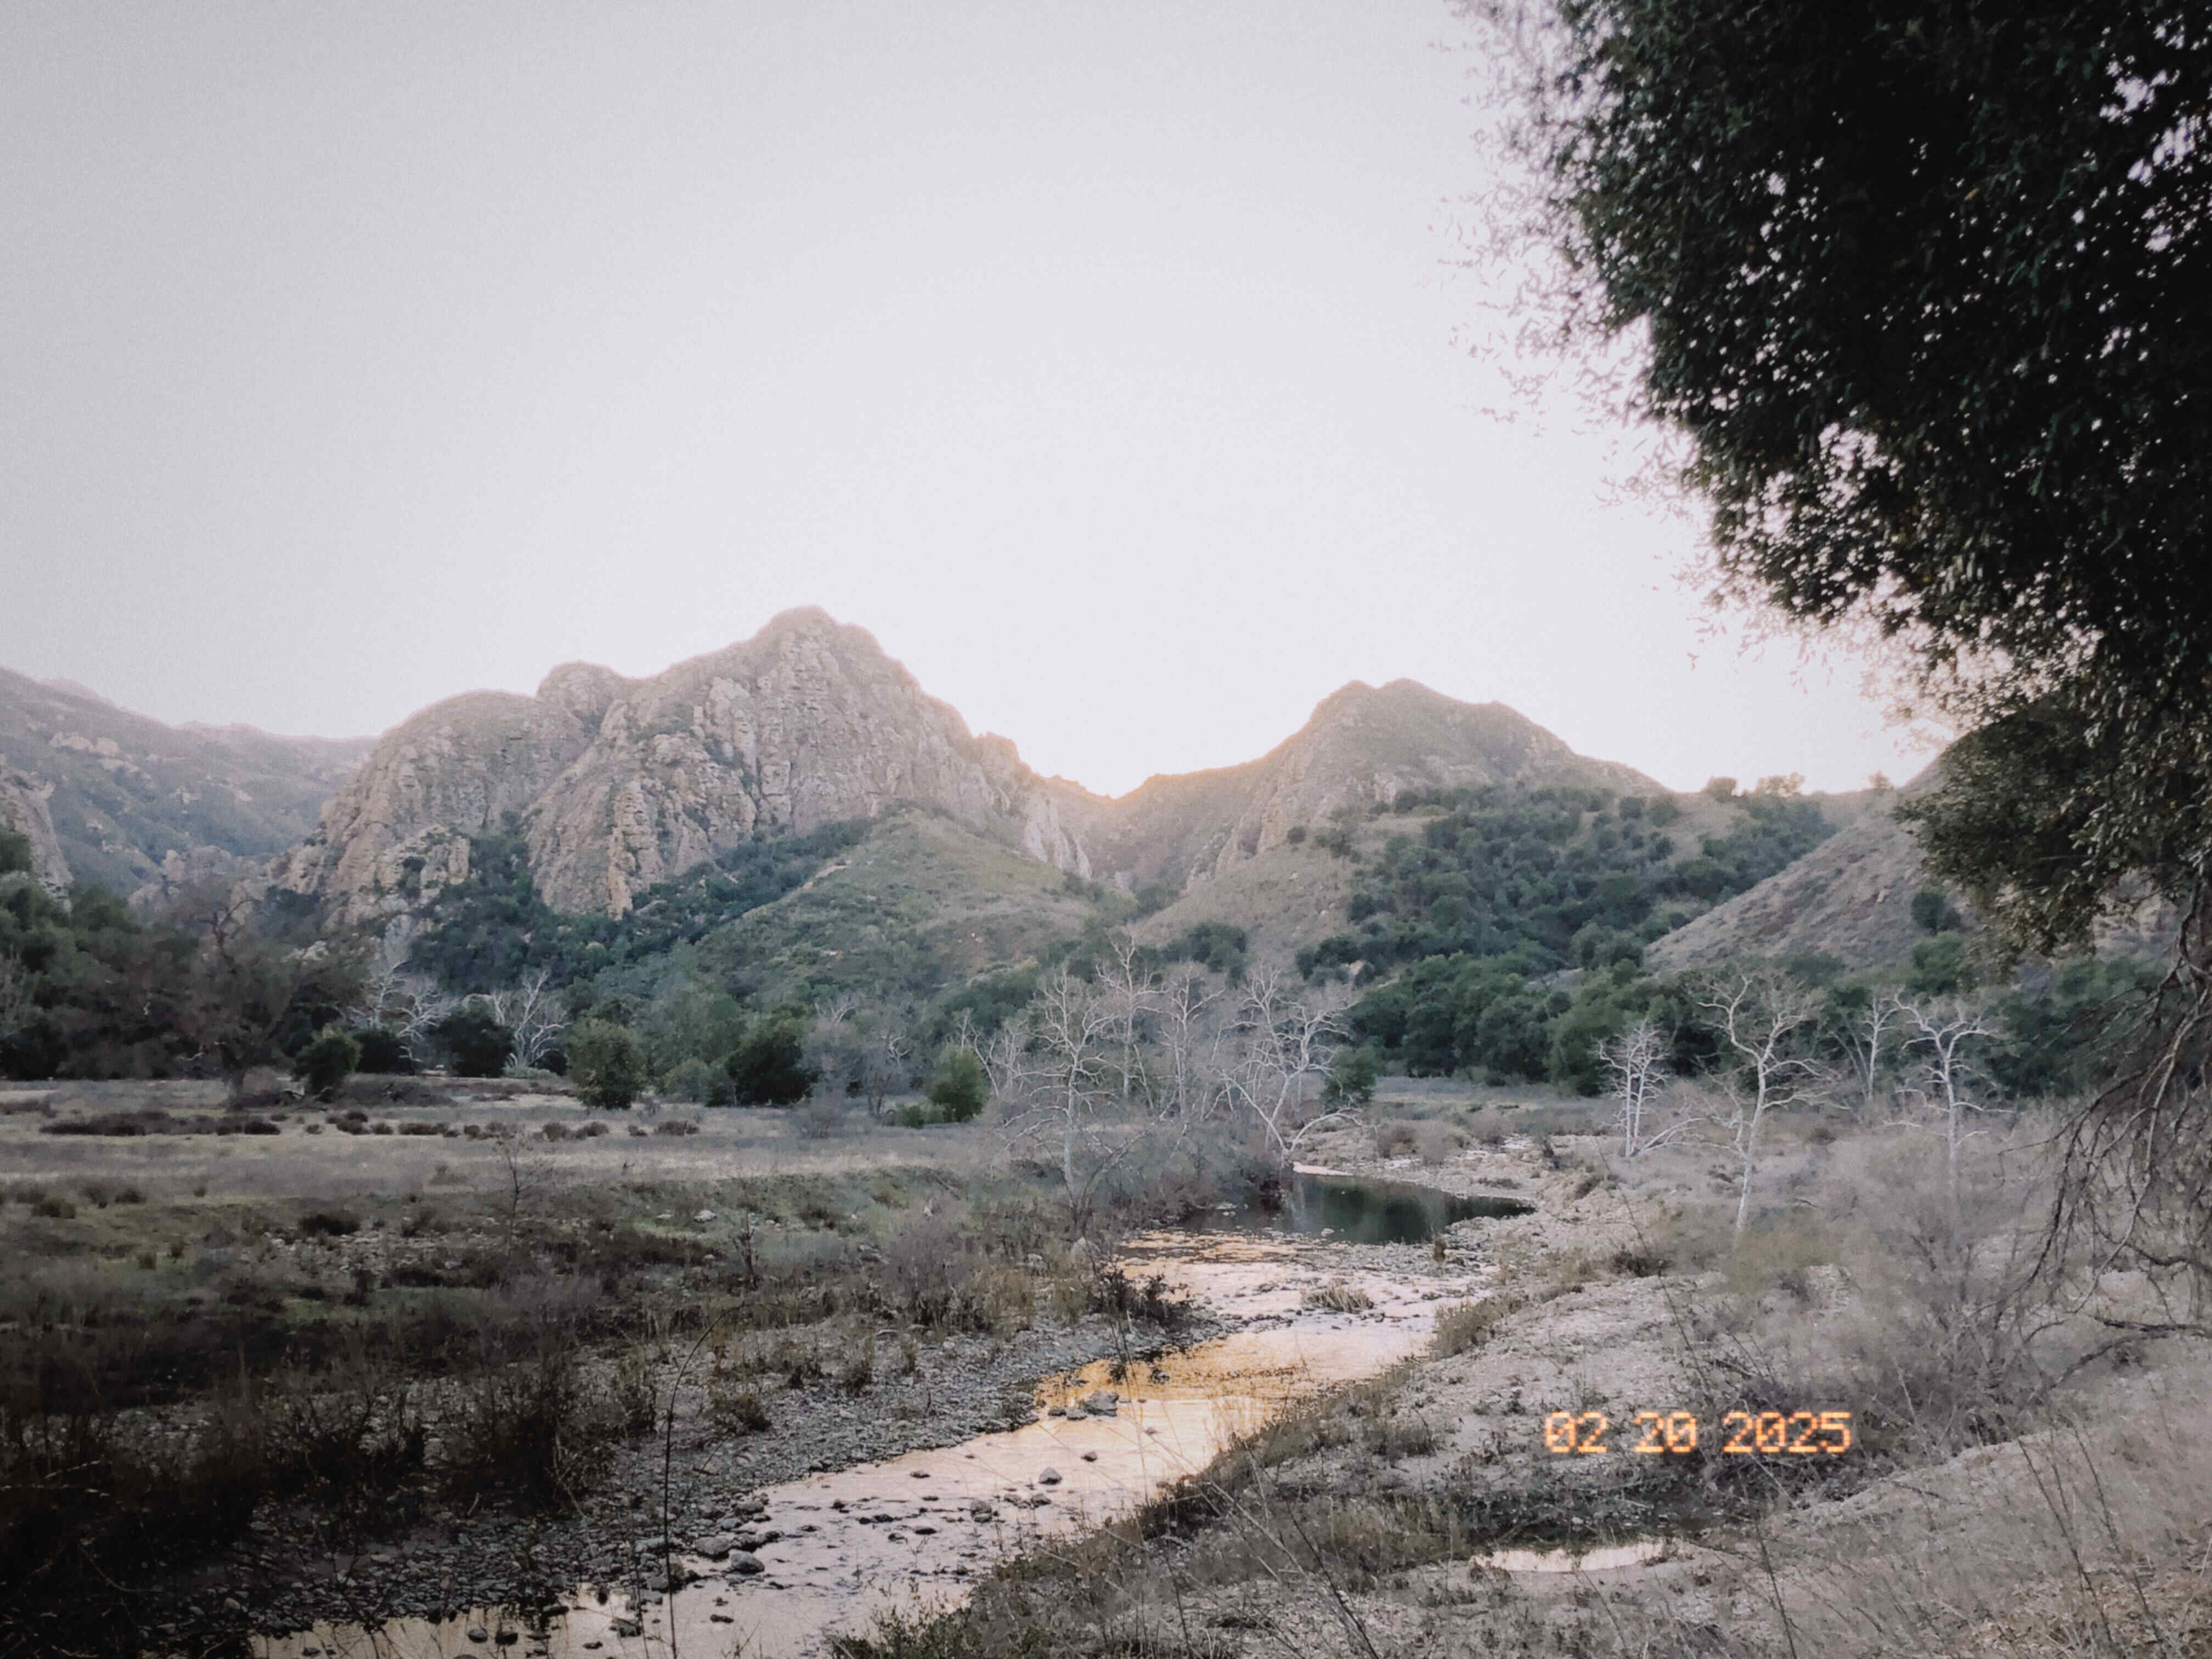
692	1495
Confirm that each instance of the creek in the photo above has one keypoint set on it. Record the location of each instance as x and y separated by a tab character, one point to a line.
910	1534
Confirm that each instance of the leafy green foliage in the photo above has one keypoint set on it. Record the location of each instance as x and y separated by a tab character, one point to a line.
475	1044
607	1063
382	1052
327	1062
769	1066
1923	287
211	988
1214	946
958	1087
2061	1024
14	854
494	929
1351	1072
1550	877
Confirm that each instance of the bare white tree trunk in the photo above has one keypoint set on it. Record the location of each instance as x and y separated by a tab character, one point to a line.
1636	1061
1946	1027
1282	1046
1760	1019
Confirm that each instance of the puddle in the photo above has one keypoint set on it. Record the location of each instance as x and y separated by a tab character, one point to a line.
911	1533
1361	1210
1607	1558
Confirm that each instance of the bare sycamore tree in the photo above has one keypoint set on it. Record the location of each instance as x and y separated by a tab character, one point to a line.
1065	1036
1762	1021
1946	1029
1865	1035
405	1004
1128	992
1637	1062
533	1011
1279	1054
1189	1041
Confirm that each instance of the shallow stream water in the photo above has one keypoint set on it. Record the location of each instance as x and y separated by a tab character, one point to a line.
912	1533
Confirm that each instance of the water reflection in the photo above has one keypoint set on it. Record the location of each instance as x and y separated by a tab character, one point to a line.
1361	1209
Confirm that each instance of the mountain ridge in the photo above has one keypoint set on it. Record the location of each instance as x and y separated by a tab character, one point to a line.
126	793
621	783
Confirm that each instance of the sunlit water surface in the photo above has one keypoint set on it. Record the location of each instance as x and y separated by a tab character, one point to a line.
905	1534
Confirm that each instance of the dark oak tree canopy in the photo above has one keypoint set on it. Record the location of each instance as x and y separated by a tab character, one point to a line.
1926	287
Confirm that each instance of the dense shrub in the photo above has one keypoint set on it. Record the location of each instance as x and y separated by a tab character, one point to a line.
383	1053
325	1063
607	1063
475	1044
769	1068
958	1087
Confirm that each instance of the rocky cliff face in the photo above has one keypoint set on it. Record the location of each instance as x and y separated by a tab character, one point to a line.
126	793
620	784
23	810
1362	744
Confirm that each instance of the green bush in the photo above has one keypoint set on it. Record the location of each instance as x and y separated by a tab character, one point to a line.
607	1064
327	1062
770	1067
959	1088
1351	1077
382	1053
478	1044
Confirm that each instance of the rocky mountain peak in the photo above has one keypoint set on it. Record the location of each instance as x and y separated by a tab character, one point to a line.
619	784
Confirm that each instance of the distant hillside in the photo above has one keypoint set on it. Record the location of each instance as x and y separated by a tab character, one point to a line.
1362	746
1850	897
124	792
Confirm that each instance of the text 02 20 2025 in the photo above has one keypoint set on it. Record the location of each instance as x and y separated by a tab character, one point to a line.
1805	1434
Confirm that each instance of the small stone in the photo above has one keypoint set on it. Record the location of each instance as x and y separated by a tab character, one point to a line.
1090	1457
704	1215
1049	1478
1102	1402
980	1511
1056	1411
478	1633
507	1639
745	1562
715	1546
918	1474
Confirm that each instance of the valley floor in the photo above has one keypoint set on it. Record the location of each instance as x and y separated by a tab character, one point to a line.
754	1307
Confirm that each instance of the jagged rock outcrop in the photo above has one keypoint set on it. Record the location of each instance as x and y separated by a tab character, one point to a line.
400	829
23	810
124	792
1363	744
619	784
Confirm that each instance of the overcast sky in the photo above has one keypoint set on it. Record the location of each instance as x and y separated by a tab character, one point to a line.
1100	359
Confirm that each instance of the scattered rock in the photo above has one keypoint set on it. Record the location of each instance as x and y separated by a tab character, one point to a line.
1102	1402
746	1563
478	1633
1049	1478
715	1547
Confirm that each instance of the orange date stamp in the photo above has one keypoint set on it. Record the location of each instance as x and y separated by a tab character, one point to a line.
1802	1434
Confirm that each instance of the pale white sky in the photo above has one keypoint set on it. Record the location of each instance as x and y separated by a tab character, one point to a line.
1099	359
